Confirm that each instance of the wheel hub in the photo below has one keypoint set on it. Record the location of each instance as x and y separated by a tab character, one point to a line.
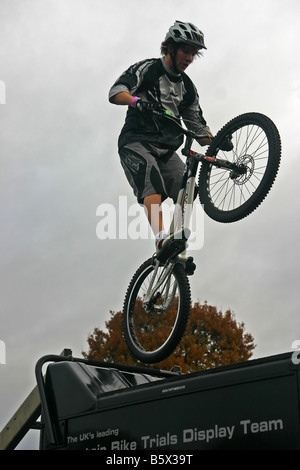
245	168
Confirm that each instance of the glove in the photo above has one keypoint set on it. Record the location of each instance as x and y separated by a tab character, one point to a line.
145	106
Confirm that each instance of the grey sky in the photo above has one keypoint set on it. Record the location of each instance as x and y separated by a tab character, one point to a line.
59	162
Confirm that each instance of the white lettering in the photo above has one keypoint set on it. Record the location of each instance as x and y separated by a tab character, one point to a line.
123	444
150	442
124	222
216	432
261	426
118	460
2	92
107	226
2	352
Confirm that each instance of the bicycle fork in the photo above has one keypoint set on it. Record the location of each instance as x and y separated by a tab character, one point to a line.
153	293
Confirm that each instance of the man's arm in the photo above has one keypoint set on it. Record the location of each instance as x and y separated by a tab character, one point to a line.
123	98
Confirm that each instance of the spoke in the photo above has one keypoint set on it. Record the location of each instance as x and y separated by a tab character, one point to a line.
219	190
251	146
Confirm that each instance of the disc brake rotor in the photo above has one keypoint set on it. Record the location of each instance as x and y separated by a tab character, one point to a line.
245	162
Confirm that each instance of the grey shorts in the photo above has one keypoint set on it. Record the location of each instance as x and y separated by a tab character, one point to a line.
152	170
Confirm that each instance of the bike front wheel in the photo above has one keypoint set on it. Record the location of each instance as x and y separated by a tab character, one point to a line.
228	195
153	325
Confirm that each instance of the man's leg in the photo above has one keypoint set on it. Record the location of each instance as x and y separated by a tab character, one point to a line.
153	210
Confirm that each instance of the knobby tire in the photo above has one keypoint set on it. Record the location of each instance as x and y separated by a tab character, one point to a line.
227	197
153	336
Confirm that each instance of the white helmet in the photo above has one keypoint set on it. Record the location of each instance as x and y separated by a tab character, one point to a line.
186	33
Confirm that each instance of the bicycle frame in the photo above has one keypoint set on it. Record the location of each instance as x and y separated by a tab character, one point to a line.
182	212
180	221
185	200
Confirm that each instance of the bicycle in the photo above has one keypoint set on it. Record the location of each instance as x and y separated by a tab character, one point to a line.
157	302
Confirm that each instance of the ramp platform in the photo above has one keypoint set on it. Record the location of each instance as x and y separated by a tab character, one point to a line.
92	405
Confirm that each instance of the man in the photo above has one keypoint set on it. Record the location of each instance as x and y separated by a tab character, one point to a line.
147	148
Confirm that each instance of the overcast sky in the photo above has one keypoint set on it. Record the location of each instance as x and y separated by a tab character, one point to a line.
59	164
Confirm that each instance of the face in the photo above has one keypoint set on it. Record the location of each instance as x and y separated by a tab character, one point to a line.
184	57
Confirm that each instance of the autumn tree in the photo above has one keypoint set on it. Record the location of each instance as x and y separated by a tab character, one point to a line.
211	339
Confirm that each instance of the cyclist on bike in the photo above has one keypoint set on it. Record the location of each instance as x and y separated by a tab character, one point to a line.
147	144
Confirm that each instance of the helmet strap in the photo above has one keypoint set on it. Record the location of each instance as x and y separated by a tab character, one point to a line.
173	57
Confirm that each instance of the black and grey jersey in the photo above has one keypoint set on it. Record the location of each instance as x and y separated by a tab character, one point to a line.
153	81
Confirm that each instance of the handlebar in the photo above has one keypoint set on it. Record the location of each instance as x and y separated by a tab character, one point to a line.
168	115
190	135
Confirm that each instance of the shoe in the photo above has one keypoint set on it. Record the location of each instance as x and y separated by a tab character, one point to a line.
171	245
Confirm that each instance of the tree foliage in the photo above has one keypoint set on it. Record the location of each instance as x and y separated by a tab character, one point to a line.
211	339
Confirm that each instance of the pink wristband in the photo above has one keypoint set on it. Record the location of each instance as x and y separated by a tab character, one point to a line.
134	100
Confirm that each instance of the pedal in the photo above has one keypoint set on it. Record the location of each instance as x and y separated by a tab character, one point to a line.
177	247
174	248
190	266
187	264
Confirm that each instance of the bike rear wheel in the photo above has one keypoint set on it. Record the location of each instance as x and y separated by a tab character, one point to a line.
226	195
152	330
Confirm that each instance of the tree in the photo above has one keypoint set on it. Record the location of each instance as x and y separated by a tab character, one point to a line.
211	339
